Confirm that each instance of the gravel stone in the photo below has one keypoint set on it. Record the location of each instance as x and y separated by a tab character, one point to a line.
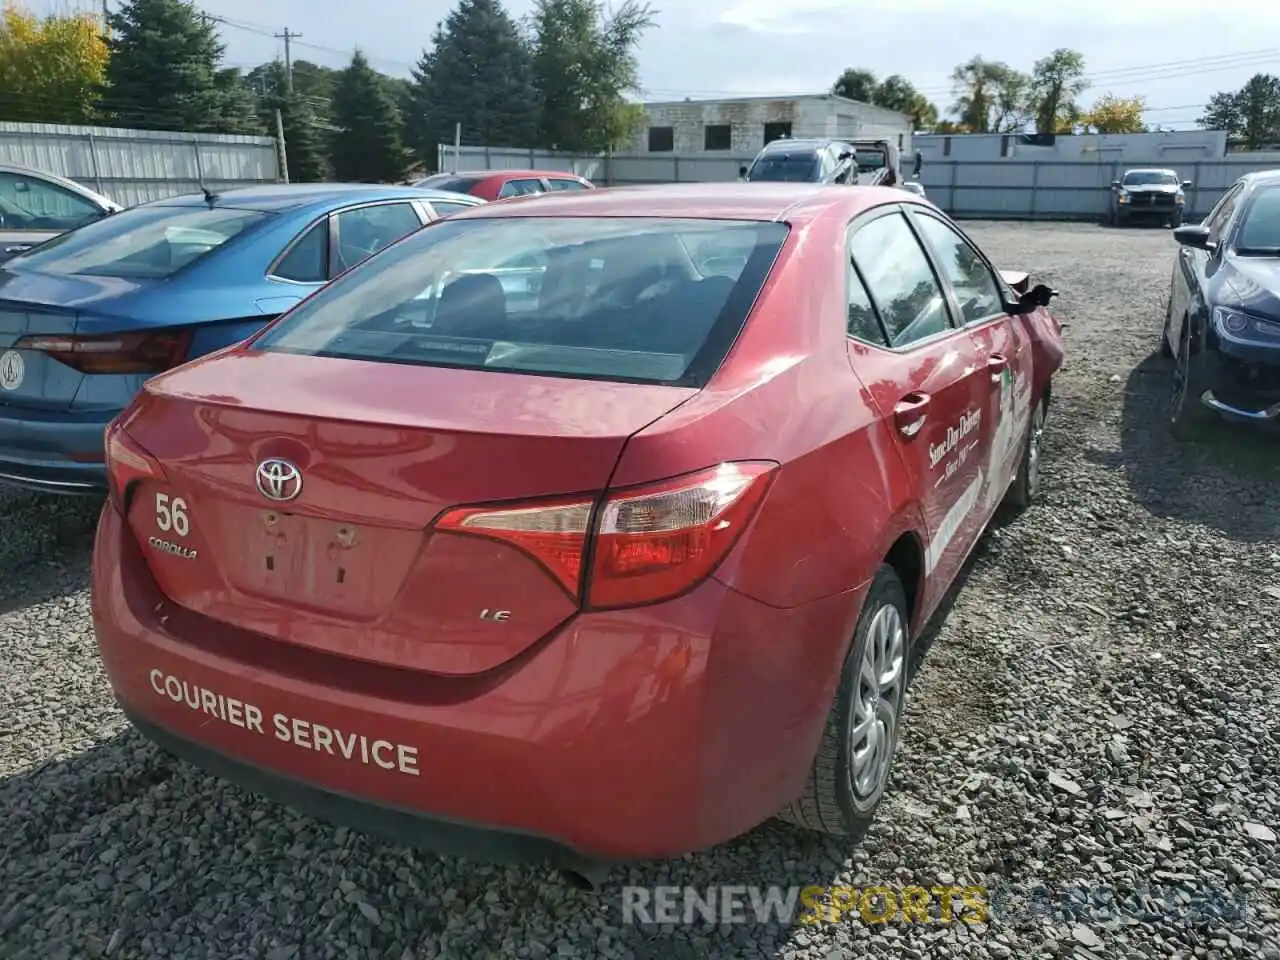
1094	734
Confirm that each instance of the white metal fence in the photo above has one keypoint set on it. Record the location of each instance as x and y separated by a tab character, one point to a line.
1015	189
133	166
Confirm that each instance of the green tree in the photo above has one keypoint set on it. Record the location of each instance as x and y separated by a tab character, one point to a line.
856	84
164	71
990	96
367	145
304	143
51	70
1056	81
1250	115
478	72
584	65
896	92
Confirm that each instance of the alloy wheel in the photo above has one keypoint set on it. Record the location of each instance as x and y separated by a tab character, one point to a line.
877	702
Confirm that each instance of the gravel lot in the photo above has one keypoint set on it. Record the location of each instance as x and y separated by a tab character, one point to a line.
1100	707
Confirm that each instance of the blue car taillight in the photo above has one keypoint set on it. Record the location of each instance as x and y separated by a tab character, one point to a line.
142	351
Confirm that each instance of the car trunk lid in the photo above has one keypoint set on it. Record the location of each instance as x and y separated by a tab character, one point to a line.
40	305
351	565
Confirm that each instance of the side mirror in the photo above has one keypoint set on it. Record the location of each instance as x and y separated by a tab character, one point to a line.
915	171
742	171
1038	296
1186	184
846	155
1194	235
1115	184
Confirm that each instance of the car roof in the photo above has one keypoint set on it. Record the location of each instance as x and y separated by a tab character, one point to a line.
792	202
278	197
488	174
1151	170
1262	176
806	145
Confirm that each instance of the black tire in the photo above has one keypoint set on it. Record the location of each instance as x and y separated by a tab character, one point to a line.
831	803
1166	351
1025	489
1188	417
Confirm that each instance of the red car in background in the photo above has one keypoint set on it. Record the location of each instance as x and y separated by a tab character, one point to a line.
585	529
500	184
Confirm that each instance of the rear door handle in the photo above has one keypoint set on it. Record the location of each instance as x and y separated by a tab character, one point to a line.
909	413
997	364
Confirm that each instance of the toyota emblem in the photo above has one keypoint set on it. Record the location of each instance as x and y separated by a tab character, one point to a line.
279	480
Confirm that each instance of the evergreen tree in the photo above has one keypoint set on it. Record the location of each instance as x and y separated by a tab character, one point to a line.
479	73
584	65
163	73
304	144
367	146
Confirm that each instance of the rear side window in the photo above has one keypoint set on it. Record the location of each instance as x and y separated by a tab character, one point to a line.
445	207
145	243
900	280
562	184
644	300
520	188
307	260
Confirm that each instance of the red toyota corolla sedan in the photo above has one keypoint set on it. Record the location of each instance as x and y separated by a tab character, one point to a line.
584	528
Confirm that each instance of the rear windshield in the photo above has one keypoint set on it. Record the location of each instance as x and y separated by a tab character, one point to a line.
791	168
144	243
642	300
445	181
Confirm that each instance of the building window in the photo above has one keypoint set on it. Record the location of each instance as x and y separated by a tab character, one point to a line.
715	136
662	139
776	131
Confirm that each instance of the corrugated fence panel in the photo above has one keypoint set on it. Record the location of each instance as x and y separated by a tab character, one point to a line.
133	166
1013	188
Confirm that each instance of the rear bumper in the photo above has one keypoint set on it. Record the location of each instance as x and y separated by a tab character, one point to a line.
53	453
629	735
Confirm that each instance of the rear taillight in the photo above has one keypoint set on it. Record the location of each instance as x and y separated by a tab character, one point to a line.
128	463
144	351
645	544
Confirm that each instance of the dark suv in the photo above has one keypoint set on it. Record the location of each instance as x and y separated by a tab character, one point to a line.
1148	194
804	161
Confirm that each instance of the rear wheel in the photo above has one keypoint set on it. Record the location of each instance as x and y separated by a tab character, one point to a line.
1025	488
855	756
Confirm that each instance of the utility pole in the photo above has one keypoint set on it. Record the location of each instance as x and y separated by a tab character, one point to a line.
284	156
106	23
288	60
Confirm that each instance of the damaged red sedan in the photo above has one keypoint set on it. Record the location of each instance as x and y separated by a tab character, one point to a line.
586	528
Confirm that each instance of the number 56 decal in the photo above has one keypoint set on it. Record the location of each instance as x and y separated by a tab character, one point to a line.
171	514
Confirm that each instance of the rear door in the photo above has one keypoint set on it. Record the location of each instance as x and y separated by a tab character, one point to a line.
929	382
1002	343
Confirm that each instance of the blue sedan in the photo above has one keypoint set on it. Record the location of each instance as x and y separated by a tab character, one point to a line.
87	317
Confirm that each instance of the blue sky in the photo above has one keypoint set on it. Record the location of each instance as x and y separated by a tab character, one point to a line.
1175	52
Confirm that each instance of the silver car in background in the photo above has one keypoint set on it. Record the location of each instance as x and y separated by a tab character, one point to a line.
36	206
